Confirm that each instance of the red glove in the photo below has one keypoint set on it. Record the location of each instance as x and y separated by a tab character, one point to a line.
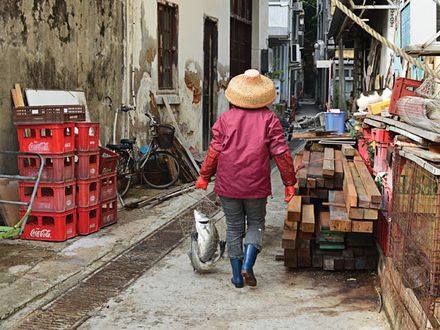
285	165
201	183
289	192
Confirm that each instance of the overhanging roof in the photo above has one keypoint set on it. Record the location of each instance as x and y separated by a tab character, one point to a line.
339	17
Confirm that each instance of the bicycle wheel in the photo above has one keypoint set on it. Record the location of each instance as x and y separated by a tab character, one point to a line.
161	170
124	174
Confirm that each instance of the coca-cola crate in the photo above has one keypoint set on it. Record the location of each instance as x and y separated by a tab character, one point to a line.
87	136
87	165
54	197
108	161
47	139
49	114
109	213
382	232
88	192
108	187
88	219
381	135
57	167
402	87
50	226
381	158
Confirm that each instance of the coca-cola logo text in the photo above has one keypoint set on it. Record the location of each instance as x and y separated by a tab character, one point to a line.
41	233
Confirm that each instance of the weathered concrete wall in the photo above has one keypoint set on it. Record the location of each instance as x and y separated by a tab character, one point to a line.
61	44
189	89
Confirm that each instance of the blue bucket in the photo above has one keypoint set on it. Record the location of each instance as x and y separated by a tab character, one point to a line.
335	121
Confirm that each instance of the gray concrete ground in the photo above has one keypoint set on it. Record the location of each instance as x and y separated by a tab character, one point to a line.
32	273
172	296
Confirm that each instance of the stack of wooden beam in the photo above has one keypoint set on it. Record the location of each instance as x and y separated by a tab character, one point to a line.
329	223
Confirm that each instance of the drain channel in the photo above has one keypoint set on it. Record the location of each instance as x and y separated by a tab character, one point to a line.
75	306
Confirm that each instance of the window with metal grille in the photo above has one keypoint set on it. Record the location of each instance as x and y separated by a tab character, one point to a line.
167	44
240	36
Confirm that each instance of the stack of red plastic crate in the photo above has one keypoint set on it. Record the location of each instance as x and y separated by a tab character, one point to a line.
76	195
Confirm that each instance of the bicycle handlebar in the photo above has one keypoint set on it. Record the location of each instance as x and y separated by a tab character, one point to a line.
127	108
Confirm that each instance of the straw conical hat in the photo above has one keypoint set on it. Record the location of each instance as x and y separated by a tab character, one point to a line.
250	90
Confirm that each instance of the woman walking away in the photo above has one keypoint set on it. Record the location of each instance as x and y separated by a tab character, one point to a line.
244	139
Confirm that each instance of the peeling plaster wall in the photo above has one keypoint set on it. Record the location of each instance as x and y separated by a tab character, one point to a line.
61	44
190	64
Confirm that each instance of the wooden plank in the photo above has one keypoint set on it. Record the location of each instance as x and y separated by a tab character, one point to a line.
308	218
15	98
373	192
291	258
349	188
374	123
421	162
179	133
363	199
301	175
371	214
304	254
19	95
315	165
339	170
289	224
347	150
294	209
319	194
409	135
356	213
428	135
311	183
362	226
324	220
424	154
339	220
288	240
328	167
305	236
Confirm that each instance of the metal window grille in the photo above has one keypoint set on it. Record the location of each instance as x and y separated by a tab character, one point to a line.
167	47
240	36
415	233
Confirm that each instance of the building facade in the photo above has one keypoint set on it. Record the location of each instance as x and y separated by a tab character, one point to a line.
183	51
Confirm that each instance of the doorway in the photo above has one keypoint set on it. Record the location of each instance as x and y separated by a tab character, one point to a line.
210	45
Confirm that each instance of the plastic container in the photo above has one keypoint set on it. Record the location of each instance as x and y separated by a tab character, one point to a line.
108	187
335	121
51	197
49	114
108	160
378	107
380	158
381	135
88	219
402	87
87	165
87	136
88	192
47	139
57	167
109	213
382	233
50	226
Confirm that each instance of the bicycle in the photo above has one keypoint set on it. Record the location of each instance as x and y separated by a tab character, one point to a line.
159	168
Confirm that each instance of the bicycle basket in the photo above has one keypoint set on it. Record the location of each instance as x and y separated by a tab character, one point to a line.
165	136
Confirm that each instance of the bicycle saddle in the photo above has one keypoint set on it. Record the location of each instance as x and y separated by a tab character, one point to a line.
118	146
128	141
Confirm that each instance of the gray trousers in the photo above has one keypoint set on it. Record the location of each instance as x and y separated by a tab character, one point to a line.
239	213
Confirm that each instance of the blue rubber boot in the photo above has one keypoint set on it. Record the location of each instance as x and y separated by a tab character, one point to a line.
250	255
237	279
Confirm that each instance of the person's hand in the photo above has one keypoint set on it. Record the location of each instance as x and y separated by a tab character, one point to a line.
201	183
289	192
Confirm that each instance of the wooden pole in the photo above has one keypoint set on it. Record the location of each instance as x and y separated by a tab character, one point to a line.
342	104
